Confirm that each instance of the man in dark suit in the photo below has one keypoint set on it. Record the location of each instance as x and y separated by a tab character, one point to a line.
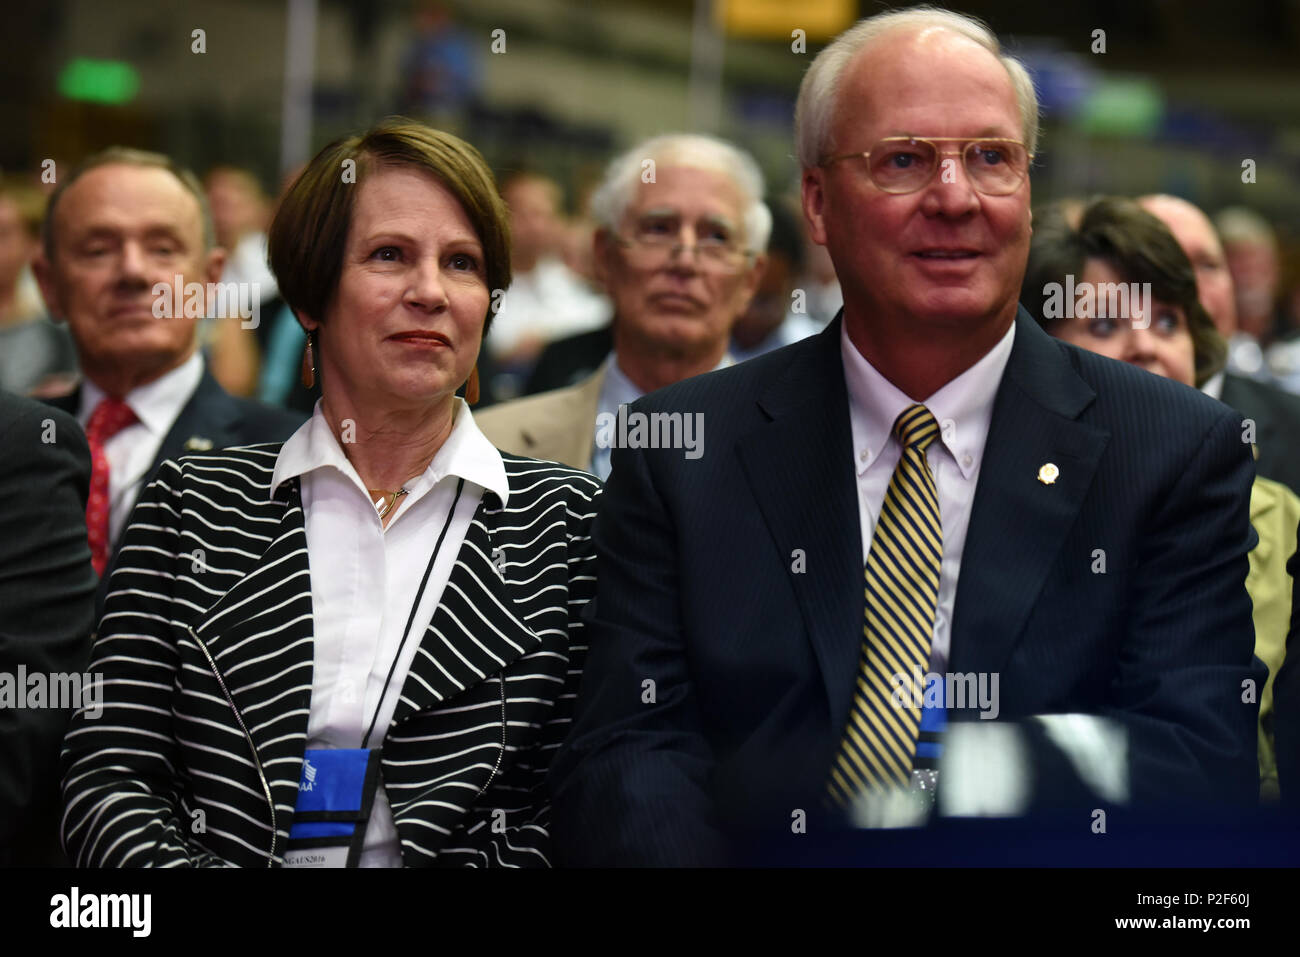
128	261
1273	414
931	485
47	590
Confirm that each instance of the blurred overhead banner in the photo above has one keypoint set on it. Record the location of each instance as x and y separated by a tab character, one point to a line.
820	20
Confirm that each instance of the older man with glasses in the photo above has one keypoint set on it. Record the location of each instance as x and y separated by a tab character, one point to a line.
680	249
931	515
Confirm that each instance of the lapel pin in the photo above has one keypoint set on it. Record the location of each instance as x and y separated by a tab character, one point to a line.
1048	474
196	443
499	560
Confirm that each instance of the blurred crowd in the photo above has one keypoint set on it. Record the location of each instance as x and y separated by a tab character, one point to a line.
870	317
553	325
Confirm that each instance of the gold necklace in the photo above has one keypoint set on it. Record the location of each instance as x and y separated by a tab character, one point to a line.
390	499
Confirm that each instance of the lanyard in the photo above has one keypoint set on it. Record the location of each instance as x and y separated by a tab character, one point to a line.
460	485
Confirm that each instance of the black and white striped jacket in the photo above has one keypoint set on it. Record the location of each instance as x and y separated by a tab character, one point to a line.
205	649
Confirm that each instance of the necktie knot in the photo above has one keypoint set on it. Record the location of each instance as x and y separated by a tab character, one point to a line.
110	417
916	427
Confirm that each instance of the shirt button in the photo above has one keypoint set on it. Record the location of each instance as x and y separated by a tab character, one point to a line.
865	454
966	460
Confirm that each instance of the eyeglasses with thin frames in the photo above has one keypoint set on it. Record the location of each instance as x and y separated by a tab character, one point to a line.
651	249
906	164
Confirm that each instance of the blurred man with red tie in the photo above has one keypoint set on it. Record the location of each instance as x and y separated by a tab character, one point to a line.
121	224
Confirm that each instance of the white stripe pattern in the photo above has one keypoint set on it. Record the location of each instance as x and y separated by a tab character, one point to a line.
206	653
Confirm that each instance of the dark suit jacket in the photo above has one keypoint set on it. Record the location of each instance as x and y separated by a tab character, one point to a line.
212	415
752	655
1276	414
568	361
47	589
208	676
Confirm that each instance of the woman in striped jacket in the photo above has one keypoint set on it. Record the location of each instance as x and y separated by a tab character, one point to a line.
361	647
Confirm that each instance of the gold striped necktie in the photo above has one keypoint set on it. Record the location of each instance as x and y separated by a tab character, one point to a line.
902	590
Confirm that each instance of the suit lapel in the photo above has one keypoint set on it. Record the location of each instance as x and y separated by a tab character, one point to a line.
800	468
1019	522
259	634
475	630
206	421
568	433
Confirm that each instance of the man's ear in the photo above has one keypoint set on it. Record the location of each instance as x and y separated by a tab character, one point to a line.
813	194
753	278
214	263
43	270
602	253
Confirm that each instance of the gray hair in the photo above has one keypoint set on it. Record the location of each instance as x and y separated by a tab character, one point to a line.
614	195
821	84
143	159
1242	225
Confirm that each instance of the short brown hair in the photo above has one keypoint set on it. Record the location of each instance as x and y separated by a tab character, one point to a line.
309	233
1139	247
125	156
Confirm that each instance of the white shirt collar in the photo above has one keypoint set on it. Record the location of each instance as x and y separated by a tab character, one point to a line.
156	404
465	454
1214	387
963	407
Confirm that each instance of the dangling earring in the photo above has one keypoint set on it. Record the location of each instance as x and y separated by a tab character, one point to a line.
309	363
471	387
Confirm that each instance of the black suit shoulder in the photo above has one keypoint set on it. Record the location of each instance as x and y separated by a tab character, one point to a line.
735	388
1276	417
569	360
260	422
1133	394
47	589
1250	395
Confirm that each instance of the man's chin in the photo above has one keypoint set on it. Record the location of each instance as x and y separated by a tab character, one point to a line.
952	308
142	353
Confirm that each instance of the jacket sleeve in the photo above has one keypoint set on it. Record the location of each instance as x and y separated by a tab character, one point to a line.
121	784
47	588
631	784
1187	685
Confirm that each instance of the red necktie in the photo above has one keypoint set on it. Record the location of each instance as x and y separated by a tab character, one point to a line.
110	417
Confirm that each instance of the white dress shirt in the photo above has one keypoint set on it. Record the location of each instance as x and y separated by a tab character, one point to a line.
963	408
156	405
616	390
364	579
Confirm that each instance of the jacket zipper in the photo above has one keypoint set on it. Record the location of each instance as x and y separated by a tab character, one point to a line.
257	761
501	681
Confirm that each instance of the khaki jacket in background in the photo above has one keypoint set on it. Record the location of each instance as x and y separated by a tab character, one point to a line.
559	426
1274	513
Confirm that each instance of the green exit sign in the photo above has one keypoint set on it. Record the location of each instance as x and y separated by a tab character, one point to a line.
99	81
